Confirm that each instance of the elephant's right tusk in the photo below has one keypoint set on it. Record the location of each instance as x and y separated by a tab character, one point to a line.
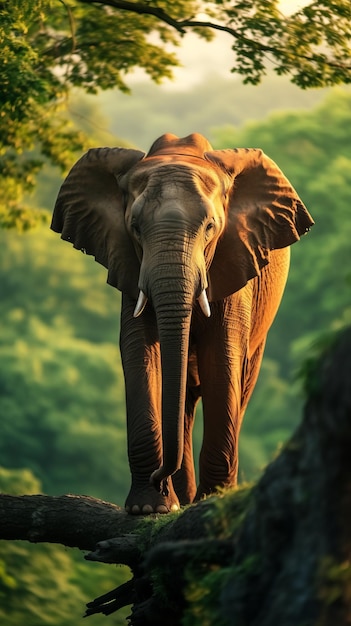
203	301
140	305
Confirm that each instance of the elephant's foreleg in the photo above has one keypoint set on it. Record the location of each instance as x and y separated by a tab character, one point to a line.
141	361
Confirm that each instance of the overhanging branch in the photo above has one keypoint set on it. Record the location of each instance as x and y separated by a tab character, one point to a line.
181	27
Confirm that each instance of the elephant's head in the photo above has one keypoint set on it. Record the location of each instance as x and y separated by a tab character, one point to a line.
182	224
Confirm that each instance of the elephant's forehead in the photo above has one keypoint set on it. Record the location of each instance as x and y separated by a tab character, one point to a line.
169	177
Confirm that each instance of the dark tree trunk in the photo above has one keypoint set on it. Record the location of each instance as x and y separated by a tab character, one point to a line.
278	555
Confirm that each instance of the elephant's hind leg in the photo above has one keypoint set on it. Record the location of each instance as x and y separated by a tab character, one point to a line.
184	480
222	354
250	375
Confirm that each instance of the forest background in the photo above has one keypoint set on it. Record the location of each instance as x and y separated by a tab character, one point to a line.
62	426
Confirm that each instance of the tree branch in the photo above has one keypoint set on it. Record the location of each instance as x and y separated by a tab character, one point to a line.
181	27
144	9
74	521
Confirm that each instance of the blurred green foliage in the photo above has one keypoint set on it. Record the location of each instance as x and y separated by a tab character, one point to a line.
61	381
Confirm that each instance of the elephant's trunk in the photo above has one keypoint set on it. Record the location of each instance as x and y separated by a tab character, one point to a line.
174	328
172	299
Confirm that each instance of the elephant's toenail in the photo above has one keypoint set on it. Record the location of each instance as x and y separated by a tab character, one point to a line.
147	509
161	508
135	509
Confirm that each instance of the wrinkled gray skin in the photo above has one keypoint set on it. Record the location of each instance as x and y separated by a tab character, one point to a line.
197	241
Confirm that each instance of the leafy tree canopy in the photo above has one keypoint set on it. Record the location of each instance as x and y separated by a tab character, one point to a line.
49	46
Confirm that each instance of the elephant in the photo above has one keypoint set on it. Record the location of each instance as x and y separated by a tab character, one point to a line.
197	240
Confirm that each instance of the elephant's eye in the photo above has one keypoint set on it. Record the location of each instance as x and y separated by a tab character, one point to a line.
135	228
210	227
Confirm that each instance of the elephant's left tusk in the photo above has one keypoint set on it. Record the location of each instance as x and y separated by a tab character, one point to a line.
204	303
140	305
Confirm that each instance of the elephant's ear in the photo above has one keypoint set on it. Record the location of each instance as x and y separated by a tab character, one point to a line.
89	212
264	213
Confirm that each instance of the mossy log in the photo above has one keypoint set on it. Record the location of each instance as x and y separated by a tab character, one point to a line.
279	553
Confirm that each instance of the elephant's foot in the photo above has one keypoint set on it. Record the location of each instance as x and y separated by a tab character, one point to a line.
204	491
145	500
201	493
185	485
